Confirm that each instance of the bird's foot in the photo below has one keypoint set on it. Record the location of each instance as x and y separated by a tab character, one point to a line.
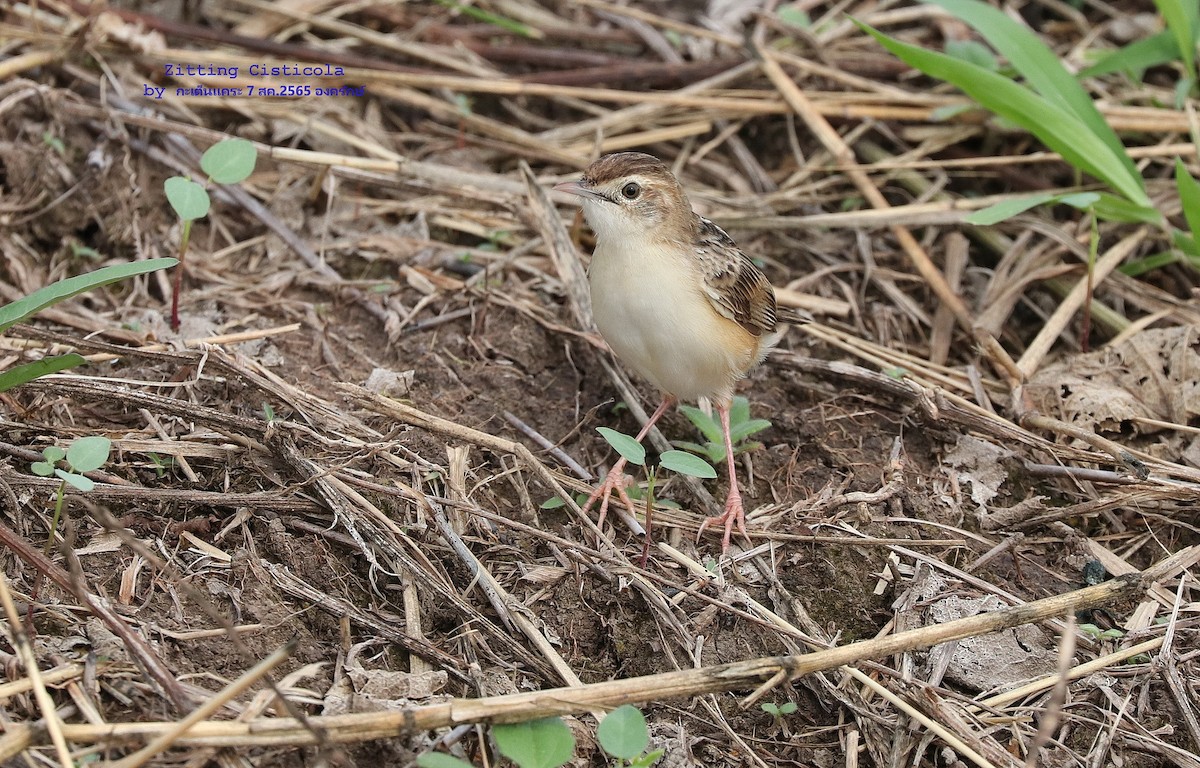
734	513
616	481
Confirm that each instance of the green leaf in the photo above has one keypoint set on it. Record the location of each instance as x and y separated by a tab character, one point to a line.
788	708
739	410
707	425
686	464
1185	243
27	372
972	51
53	454
1148	264
625	445
229	161
1058	128
88	453
554	502
78	481
739	432
42	468
1045	73
1006	209
11	314
647	760
545	743
713	452
55	143
1136	57
503	22
188	198
1182	19
1112	208
794	16
1182	89
623	733
1081	200
948	111
1189	196
441	760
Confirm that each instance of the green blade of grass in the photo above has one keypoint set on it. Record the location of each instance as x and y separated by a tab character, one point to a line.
22	374
1148	264
1058	129
11	314
1136	57
1181	19
1006	209
1041	68
1189	196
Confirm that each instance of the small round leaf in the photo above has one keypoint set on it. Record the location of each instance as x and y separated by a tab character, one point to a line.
687	464
625	445
545	743
42	468
441	760
88	453
229	161
53	454
623	732
80	482
188	198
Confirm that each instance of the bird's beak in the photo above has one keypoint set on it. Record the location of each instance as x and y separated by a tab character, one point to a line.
578	189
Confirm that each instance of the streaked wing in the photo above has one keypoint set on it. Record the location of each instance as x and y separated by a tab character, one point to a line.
737	289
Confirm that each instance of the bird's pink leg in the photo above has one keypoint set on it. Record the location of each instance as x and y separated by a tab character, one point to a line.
616	476
734	513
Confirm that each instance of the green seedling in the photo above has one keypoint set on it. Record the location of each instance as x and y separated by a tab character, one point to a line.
55	143
741	429
81	251
15	312
1051	104
676	461
1176	43
623	735
83	455
1094	632
161	464
441	760
549	743
545	743
226	162
778	711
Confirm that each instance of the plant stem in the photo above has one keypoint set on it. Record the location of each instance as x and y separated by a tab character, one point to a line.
183	246
649	515
58	504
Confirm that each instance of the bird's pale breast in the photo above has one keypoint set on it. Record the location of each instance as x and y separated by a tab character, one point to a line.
652	311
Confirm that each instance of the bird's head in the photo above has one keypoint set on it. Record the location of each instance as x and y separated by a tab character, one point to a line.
631	194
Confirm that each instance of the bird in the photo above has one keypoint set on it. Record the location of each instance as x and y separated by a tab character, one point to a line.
675	299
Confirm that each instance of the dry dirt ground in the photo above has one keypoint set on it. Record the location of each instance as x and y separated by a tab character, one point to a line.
382	369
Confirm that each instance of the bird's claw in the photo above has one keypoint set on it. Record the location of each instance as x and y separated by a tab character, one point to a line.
616	480
734	513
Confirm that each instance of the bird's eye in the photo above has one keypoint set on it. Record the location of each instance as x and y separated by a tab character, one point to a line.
631	191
